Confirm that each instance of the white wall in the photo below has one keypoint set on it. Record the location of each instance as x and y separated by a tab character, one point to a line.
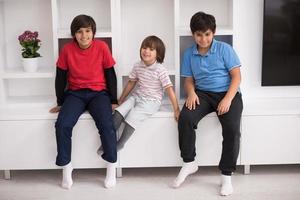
248	21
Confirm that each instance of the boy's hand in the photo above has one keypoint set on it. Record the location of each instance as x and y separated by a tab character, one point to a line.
191	101
176	114
55	109
224	106
120	101
113	106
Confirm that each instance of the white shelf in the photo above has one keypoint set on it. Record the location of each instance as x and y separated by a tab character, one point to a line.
18	73
31	112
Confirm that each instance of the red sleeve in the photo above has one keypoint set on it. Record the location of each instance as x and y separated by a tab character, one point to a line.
108	60
62	60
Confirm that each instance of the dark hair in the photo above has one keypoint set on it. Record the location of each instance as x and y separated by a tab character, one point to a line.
82	21
201	21
157	44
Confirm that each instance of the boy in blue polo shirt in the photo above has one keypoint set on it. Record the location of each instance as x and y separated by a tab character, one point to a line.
211	70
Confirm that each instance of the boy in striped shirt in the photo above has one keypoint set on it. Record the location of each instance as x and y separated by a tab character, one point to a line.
150	79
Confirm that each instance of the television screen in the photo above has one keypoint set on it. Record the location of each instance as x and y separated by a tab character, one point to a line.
281	43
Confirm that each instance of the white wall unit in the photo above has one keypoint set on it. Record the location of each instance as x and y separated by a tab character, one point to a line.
25	98
248	43
271	139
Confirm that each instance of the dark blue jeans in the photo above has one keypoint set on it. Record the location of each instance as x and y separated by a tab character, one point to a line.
230	121
99	106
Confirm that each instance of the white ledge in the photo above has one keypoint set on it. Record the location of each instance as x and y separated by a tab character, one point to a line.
252	107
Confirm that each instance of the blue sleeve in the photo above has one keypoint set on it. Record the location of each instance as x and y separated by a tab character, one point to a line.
185	68
230	58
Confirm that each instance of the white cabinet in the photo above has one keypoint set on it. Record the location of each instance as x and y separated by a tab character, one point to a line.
270	139
154	144
31	144
270	131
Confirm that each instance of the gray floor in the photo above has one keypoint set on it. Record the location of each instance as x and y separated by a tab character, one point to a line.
265	183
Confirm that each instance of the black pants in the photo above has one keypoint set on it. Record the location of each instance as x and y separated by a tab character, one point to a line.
230	122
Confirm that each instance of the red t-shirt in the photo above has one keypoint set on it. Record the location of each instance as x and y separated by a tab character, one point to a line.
86	66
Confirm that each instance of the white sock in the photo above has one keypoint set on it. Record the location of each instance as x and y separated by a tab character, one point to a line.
110	180
226	186
187	169
67	181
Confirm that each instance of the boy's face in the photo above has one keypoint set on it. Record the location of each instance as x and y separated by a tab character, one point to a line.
203	39
148	55
84	37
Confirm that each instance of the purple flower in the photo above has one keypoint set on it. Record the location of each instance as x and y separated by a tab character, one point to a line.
30	43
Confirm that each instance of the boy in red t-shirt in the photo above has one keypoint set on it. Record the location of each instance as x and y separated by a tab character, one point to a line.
86	64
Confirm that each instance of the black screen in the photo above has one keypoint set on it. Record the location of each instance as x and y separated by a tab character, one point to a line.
281	43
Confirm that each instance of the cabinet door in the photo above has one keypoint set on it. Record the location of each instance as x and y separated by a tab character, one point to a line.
27	144
153	144
271	139
31	144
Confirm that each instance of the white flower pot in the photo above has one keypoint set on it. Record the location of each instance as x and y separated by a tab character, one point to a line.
30	64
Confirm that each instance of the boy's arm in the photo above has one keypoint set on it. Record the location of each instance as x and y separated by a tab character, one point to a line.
60	86
111	84
192	98
128	88
225	103
173	100
235	75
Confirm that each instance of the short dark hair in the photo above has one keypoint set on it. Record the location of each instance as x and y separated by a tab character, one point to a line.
201	21
157	44
82	21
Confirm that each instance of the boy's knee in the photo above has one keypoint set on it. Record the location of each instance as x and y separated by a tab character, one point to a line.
185	117
64	124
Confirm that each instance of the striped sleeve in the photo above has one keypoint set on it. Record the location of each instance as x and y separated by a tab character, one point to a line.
133	73
164	78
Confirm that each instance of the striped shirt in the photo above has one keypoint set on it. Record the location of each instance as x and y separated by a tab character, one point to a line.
151	80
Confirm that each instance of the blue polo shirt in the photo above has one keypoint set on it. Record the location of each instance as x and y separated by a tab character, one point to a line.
210	71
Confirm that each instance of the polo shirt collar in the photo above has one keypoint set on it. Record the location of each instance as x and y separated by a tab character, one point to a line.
150	66
213	48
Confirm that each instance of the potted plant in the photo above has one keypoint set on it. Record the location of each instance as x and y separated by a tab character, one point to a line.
30	45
